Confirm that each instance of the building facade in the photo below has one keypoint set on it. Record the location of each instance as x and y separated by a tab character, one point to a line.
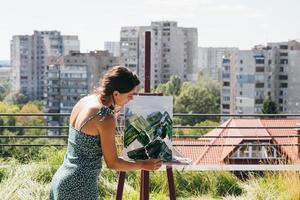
210	60
29	55
173	51
71	77
250	76
113	48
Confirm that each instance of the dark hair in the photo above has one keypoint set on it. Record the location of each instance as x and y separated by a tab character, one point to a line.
118	79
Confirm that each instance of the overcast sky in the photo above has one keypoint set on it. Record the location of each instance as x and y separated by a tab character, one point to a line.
239	23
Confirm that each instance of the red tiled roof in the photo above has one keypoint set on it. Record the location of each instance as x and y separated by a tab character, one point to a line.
291	151
215	154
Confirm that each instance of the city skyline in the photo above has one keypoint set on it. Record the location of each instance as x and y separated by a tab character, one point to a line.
220	23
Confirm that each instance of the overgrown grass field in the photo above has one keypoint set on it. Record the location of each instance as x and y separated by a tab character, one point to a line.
30	179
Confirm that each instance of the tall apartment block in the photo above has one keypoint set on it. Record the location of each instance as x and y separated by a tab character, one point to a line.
210	61
113	48
249	76
29	55
173	50
71	77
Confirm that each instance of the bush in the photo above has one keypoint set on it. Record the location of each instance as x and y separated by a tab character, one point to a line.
158	182
52	155
43	173
106	187
226	184
3	174
192	183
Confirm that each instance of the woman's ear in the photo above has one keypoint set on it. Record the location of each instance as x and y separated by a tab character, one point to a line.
115	93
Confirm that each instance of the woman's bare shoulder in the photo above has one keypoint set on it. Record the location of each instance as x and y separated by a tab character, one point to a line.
107	121
84	109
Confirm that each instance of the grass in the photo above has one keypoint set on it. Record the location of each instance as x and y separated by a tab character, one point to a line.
31	180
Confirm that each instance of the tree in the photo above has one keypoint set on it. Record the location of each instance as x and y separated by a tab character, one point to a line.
16	98
196	98
199	131
269	106
8	108
171	88
31	120
4	89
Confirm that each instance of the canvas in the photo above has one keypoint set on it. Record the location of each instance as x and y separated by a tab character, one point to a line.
149	129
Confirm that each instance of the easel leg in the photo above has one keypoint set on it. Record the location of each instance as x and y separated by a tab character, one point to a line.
171	183
120	185
144	192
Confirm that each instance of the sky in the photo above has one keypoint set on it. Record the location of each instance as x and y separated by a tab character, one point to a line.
226	23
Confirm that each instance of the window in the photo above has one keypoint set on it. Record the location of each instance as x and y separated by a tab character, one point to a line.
283	61
283	46
259	85
241	61
260	69
281	69
259	60
226	98
225	106
283	54
259	101
255	150
283	77
283	85
226	83
281	93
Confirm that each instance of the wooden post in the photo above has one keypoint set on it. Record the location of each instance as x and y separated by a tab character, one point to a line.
147	61
171	184
120	185
144	193
145	176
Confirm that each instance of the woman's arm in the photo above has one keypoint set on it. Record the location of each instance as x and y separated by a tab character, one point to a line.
108	144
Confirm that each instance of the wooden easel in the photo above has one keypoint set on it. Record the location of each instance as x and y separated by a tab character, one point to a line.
144	189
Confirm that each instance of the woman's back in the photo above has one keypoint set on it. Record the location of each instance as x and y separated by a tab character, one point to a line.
77	177
84	110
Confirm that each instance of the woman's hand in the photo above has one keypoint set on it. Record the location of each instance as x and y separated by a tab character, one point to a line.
151	164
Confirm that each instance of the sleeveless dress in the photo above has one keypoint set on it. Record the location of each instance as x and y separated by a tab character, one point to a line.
77	176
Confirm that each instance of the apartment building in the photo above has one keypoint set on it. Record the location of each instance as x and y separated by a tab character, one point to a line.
29	55
173	51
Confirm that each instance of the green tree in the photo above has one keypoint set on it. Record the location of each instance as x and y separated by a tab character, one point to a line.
8	108
269	106
31	120
4	89
203	131
171	88
16	98
196	98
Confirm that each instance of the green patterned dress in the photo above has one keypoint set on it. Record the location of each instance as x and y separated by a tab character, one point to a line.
77	176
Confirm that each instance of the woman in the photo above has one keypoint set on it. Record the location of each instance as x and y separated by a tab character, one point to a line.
92	134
